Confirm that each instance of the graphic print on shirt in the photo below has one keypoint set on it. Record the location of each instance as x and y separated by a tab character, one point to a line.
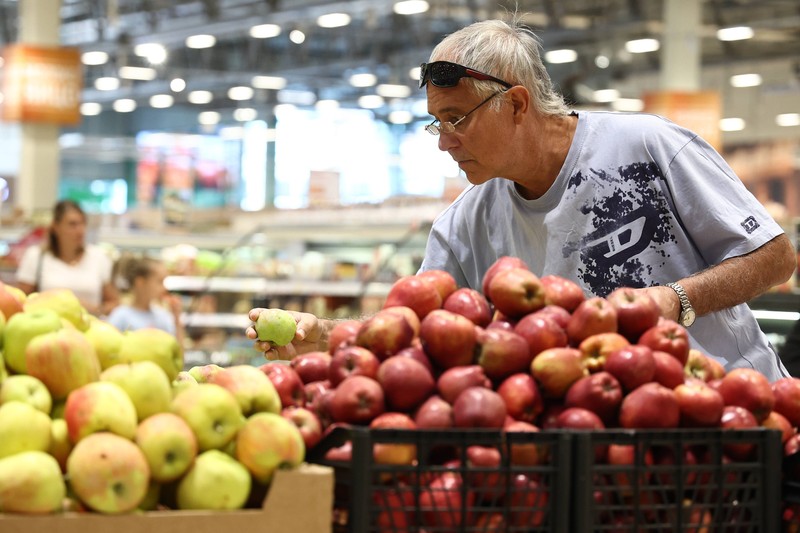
633	218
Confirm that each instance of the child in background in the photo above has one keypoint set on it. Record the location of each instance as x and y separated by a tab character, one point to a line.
150	305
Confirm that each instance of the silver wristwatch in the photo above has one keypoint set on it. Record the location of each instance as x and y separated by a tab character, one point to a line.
687	315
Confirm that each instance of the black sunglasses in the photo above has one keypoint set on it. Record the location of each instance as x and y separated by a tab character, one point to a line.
446	74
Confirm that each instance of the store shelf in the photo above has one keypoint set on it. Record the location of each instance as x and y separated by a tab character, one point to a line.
261	286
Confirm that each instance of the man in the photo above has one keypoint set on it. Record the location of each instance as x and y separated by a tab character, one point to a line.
605	199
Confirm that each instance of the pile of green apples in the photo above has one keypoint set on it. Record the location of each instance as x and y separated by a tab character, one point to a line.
97	420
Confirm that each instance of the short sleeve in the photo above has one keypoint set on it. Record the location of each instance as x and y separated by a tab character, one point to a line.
26	271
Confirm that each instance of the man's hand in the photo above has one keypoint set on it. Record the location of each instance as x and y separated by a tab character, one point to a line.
311	336
666	299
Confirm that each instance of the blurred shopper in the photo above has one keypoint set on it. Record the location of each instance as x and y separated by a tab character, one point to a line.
605	199
66	261
150	305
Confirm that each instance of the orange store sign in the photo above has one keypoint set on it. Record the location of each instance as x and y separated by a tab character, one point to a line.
42	84
699	111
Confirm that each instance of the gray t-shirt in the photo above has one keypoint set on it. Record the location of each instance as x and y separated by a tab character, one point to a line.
639	202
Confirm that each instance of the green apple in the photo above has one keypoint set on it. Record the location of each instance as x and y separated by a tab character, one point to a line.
168	444
101	406
64	360
107	341
3	371
20	329
151	499
252	388
203	373
212	412
266	442
216	481
60	445
11	300
151	344
145	383
108	473
23	428
31	482
276	326
26	389
63	302
182	381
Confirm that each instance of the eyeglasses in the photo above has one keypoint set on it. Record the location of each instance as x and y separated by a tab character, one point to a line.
450	127
446	74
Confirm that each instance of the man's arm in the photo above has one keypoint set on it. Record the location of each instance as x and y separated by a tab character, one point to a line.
734	281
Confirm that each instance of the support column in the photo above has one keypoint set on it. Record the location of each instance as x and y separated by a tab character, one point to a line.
680	46
37	183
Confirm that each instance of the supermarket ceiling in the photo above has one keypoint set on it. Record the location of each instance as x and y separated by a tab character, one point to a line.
380	41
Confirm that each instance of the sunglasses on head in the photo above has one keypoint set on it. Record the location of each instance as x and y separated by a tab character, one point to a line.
446	74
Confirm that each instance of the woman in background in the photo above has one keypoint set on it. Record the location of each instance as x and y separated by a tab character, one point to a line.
66	261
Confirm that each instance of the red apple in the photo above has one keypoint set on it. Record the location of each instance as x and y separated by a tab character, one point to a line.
515	292
787	398
343	332
471	304
307	422
624	457
522	397
479	407
737	417
406	383
393	454
484	473
541	332
448	339
667	336
343	453
416	352
700	405
549	417
595	348
455	380
636	311
562	292
502	353
529	453
352	361
444	282
600	393
750	389
287	382
321	406
558	314
594	315
385	333
669	371
502	263
312	366
315	389
501	323
580	418
632	365
650	406
417	292
357	400
395	506
775	420
442	501
556	369
699	365
434	412
409	314
527	503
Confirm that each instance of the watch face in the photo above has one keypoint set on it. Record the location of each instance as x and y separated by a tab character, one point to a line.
687	318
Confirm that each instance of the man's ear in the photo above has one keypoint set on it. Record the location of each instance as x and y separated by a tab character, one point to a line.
520	100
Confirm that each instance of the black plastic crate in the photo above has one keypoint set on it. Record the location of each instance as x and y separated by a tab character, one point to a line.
443	491
710	480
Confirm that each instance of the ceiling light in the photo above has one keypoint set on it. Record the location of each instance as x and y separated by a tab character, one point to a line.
269	82
94	58
370	101
91	109
628	104
137	73
746	80
70	140
201	41
788	119
640	46
400	117
245	114
602	61
296	97
208	118
389	90
735	33
333	20
365	79
161	101
732	124
297	36
106	83
177	85
326	105
411	7
606	95
565	55
265	31
124	105
241	92
154	53
200	97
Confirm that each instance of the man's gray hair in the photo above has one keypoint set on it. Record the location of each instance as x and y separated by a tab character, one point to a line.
509	51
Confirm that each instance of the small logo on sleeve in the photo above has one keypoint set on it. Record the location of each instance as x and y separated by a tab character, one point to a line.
750	224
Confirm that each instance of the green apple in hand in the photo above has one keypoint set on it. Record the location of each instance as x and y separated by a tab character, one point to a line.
28	389
215	481
31	482
169	445
23	428
276	326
